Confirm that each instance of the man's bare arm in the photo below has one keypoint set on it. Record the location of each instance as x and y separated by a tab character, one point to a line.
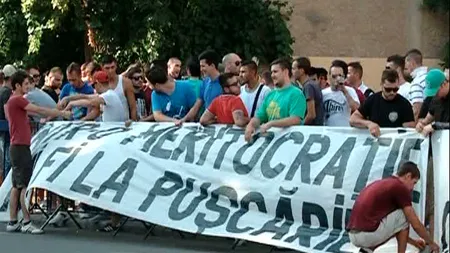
416	224
160	117
357	120
416	109
286	122
311	112
47	111
131	99
207	118
240	119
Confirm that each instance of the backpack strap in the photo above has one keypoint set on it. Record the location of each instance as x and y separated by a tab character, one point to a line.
368	92
255	102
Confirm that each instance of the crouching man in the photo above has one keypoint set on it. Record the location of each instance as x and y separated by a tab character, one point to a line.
384	210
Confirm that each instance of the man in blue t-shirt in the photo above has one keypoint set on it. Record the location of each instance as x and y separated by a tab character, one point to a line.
210	88
172	101
74	87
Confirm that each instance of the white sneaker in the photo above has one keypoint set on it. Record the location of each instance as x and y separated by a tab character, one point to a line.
29	228
13	228
59	220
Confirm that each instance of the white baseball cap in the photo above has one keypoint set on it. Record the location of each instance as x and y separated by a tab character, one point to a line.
9	70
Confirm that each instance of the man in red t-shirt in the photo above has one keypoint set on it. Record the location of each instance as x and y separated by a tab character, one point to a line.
384	210
227	108
17	110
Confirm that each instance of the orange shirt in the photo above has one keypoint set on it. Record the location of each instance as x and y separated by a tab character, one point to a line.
223	107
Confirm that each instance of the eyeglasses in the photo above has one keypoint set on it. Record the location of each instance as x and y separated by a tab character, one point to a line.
237	63
36	76
389	90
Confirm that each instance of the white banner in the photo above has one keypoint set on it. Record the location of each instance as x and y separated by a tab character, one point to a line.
291	188
440	142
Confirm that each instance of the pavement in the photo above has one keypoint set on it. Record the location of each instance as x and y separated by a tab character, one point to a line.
131	240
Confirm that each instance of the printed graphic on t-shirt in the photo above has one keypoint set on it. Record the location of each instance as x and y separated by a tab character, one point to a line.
141	108
393	116
77	111
273	110
332	107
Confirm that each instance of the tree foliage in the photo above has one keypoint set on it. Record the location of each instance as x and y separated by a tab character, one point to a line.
56	32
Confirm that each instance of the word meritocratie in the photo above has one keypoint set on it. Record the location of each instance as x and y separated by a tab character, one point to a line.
291	188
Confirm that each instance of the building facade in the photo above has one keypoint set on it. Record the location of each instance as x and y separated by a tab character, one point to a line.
367	31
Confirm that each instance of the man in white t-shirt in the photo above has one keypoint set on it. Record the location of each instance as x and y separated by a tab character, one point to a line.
339	101
413	67
397	62
105	103
253	91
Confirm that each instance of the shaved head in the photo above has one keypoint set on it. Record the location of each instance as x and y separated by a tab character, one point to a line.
174	67
232	63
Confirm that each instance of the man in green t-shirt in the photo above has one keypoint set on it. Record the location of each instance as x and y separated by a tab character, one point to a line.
285	106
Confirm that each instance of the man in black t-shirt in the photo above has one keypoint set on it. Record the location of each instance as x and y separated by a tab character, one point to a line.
438	116
385	108
53	84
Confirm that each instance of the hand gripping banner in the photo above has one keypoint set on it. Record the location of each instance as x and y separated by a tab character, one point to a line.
291	188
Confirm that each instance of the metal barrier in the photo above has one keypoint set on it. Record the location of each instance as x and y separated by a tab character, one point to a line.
41	200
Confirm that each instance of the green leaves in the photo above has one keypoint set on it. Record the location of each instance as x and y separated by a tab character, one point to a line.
56	32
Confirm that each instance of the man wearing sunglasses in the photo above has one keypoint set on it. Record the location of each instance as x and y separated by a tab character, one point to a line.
35	75
232	63
385	108
397	62
227	108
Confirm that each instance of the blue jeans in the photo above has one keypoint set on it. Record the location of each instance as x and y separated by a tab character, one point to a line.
6	160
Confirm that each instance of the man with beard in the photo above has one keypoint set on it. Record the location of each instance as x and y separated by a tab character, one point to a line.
253	91
285	106
227	108
439	113
414	67
232	63
136	75
53	85
385	108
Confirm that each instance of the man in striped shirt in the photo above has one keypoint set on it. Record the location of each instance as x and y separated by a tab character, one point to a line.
414	68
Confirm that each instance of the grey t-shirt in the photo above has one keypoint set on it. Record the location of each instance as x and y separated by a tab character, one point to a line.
312	90
40	98
5	93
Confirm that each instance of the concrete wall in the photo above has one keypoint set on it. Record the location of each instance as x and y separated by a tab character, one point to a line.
366	28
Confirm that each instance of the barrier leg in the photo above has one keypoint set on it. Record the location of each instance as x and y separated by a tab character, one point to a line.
150	231
236	242
121	226
51	217
73	219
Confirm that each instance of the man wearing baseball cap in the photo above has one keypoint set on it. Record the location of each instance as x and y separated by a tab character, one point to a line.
105	103
6	92
433	81
438	116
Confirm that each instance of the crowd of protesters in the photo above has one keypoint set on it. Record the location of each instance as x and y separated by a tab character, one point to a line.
211	90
